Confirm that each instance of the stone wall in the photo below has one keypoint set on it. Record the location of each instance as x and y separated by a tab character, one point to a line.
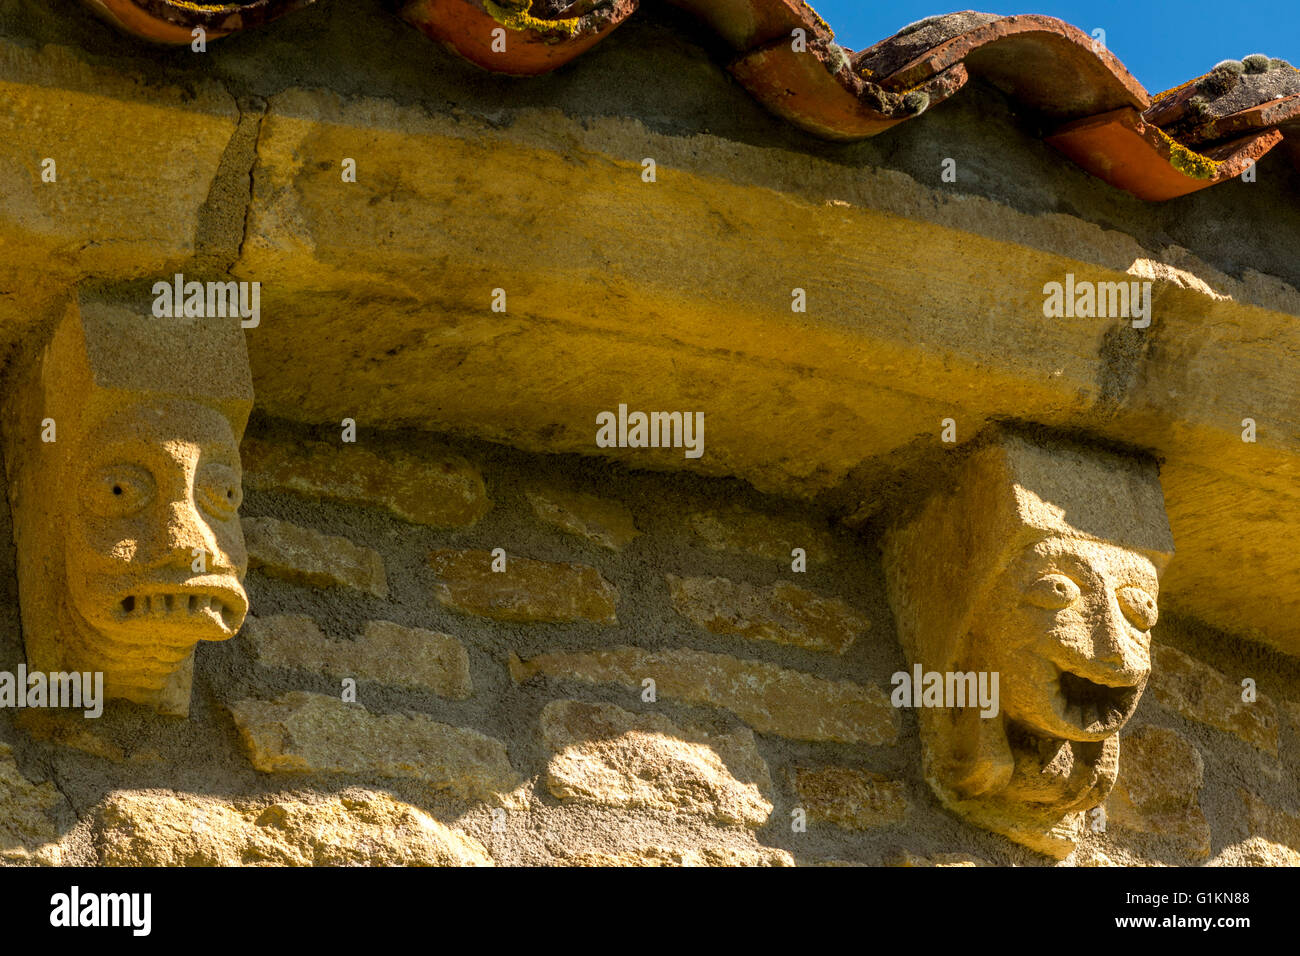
504	717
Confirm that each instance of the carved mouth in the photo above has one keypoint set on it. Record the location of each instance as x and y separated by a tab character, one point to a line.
199	607
1096	708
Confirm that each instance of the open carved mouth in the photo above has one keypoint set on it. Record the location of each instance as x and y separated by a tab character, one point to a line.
1096	707
173	605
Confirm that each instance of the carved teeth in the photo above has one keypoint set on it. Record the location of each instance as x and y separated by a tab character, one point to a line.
158	605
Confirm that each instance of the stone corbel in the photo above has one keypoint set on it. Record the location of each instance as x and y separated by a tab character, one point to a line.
122	453
1039	562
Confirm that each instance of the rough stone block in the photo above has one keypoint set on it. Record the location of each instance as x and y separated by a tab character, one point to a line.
742	531
849	798
527	590
1157	791
770	699
784	613
660	856
607	756
26	831
442	490
1199	692
598	520
305	556
385	652
312	733
354	828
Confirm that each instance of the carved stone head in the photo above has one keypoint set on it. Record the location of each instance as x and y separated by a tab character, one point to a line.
129	542
1040	563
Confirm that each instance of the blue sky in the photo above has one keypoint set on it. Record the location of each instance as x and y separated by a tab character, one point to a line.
1162	42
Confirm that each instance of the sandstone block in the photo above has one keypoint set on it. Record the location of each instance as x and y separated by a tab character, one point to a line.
312	733
355	828
26	830
386	652
308	557
908	858
1157	791
770	699
442	490
527	590
1201	693
783	613
742	531
1274	831
598	520
607	756
658	856
71	730
849	798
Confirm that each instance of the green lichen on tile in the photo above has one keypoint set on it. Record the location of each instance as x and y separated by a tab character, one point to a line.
1187	161
516	15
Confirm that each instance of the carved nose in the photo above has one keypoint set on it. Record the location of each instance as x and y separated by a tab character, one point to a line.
185	532
1116	657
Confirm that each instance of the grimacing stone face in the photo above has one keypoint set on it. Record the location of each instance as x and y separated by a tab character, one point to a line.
1067	626
151	487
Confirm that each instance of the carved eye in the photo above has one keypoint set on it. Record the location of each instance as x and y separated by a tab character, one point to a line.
218	491
1053	592
1138	606
120	490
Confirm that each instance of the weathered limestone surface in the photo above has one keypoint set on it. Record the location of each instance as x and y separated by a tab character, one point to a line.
607	756
907	858
526	590
1157	791
797	403
598	520
1201	693
1274	834
305	556
385	652
1040	562
770	699
106	213
849	798
312	733
27	833
767	536
122	454
441	490
660	856
356	828
784	613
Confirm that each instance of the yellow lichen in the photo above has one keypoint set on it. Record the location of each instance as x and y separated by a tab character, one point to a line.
515	15
1187	161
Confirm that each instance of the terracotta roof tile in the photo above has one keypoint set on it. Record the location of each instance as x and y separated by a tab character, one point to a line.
1203	132
173	21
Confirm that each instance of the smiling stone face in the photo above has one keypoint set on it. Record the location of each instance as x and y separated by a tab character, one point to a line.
159	494
1040	563
1068	626
122	450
